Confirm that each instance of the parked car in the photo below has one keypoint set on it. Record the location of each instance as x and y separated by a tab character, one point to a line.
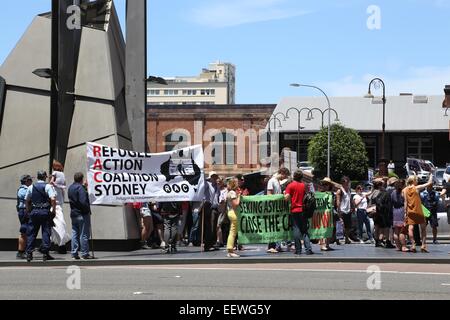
421	168
439	176
305	166
443	219
446	176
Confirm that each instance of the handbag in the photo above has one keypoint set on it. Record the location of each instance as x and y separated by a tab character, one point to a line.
371	210
426	212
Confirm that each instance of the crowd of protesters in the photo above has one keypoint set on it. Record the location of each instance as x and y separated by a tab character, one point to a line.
395	207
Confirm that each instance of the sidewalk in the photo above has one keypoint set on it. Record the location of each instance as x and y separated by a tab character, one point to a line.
439	254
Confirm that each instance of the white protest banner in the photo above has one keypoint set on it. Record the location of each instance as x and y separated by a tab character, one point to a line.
118	176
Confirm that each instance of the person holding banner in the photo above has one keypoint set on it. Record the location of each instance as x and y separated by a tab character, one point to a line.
233	201
146	222
327	185
171	213
295	193
274	187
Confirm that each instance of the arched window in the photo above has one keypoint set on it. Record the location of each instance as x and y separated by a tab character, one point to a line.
264	146
223	151
176	140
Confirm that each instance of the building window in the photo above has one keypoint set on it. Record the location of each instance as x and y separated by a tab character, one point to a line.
223	149
207	92
421	148
264	146
188	92
175	140
153	92
170	92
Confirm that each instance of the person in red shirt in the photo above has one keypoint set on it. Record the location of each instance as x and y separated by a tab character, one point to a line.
295	193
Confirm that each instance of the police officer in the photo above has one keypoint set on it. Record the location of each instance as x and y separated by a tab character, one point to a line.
25	182
41	203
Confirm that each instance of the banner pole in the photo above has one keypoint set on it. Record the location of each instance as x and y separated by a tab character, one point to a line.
92	240
202	246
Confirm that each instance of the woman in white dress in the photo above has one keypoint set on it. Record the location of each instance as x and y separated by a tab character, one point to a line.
60	236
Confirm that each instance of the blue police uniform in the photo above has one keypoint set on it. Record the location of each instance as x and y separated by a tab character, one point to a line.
21	209
40	194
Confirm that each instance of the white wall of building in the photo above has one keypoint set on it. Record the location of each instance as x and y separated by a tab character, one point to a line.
215	85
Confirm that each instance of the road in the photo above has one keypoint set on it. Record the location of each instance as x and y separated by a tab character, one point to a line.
229	282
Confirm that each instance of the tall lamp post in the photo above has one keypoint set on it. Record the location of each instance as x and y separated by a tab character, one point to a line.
322	112
299	126
376	82
329	121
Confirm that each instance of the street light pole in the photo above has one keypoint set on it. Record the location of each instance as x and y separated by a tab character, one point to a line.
273	118
329	121
382	162
299	126
310	115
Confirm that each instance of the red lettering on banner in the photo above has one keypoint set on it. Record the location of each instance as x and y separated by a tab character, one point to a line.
98	165
96	179
97	151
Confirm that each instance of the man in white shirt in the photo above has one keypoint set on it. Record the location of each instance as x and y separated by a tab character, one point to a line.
391	167
274	187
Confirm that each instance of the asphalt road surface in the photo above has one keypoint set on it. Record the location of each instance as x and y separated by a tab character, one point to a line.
229	282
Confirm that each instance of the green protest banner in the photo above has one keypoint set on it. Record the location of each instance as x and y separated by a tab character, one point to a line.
264	219
321	224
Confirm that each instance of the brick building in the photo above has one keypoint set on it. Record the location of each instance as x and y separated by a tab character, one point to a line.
232	135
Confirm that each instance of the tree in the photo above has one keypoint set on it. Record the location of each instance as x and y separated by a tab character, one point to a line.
348	153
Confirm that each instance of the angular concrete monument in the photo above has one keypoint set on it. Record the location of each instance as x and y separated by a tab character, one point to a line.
83	100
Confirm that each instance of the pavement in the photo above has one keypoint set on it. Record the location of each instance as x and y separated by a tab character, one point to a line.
252	254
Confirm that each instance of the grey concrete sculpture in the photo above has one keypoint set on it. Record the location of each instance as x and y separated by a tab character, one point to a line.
91	108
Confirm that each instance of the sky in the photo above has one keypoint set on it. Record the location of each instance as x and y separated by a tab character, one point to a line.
338	45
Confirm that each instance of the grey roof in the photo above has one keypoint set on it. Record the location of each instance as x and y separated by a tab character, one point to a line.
366	115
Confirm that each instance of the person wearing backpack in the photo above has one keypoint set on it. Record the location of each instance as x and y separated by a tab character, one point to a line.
25	182
295	193
383	213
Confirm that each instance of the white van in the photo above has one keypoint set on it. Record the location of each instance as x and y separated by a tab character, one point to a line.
422	169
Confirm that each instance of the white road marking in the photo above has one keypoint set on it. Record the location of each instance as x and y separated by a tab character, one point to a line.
183	268
178	268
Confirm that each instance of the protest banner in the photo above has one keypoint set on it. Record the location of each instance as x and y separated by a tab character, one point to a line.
118	176
265	219
321	223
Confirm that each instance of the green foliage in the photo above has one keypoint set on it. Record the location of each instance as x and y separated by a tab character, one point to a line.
348	153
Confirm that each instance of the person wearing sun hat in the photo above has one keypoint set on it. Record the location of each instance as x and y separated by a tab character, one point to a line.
327	185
